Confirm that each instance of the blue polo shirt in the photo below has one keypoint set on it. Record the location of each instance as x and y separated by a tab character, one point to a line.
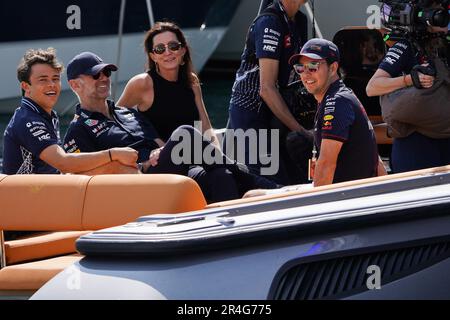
92	131
267	38
29	132
340	116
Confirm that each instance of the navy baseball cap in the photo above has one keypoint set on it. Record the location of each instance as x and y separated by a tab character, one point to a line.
87	63
318	49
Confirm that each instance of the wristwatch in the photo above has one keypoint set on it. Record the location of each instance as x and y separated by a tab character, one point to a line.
140	167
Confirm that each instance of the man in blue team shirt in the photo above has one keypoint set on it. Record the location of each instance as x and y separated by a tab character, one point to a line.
32	138
343	135
256	101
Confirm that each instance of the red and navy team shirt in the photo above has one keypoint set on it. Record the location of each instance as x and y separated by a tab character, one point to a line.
400	59
92	131
29	132
341	117
267	38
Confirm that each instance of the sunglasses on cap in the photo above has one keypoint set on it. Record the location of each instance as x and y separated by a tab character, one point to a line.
106	72
312	66
172	46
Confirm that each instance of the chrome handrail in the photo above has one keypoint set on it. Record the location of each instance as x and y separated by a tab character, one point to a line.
151	16
123	5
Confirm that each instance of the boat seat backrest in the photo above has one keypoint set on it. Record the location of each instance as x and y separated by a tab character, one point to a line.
114	200
77	202
42	202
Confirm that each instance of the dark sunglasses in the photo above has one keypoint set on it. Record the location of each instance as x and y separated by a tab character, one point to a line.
106	72
172	46
311	67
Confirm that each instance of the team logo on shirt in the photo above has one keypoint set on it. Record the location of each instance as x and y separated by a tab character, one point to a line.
287	41
327	125
44	137
71	147
91	123
269	48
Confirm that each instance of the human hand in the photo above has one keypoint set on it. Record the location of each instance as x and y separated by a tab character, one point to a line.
425	80
255	193
126	156
154	156
423	76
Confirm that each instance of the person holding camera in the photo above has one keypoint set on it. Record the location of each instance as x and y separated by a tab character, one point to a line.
410	64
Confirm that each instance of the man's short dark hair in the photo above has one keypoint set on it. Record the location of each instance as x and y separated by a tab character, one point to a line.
35	56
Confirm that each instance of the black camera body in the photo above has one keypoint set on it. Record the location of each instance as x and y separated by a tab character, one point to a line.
413	16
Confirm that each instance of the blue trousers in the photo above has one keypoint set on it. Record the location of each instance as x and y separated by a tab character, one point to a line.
417	152
240	118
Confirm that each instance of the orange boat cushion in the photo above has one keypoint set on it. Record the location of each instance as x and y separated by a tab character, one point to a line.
77	202
41	246
113	200
42	202
33	275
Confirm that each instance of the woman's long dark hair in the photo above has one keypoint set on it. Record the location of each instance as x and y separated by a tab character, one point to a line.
187	68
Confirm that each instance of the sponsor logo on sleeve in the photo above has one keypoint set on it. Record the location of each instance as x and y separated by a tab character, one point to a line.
45	137
392	54
389	60
397	50
91	122
274	43
270	37
278	34
38	133
71	147
99	127
401	45
269	48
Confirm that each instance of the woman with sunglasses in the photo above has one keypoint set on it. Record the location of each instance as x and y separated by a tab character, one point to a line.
169	96
169	93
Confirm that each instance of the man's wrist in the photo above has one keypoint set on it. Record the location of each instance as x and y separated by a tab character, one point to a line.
404	81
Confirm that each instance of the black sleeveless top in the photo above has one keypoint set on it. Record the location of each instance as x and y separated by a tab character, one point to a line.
173	106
